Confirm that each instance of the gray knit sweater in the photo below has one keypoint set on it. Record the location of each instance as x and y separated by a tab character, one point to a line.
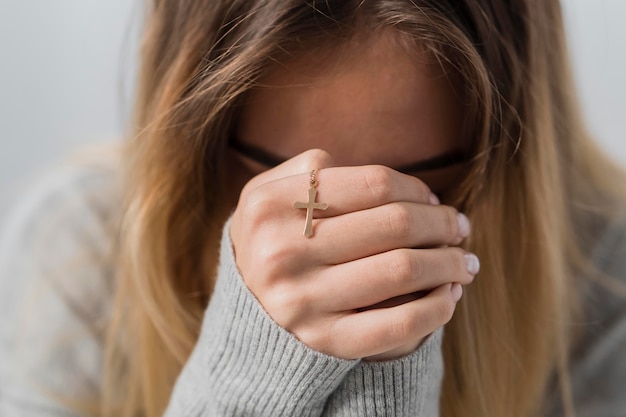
55	301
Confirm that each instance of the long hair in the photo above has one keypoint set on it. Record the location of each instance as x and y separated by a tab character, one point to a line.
536	189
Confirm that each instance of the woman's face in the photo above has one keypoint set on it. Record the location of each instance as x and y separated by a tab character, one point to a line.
370	102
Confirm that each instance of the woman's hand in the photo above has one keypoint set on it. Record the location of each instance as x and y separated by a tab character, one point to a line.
382	240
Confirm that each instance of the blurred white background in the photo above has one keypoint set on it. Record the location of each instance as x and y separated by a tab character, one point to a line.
67	68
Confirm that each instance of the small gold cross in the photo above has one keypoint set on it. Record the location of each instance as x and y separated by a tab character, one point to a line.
310	206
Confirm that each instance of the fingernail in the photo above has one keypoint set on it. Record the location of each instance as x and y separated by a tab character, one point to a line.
473	263
434	200
457	292
464	224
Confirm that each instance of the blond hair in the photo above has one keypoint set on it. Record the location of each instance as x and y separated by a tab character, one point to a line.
534	186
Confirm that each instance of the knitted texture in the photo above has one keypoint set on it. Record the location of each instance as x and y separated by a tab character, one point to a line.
245	364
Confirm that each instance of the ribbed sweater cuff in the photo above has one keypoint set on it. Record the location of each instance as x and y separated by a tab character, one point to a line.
244	364
409	386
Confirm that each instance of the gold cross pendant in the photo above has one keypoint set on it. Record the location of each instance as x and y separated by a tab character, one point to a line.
310	206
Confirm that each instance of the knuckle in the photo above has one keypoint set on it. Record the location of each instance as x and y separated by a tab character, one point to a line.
398	220
273	257
286	304
258	206
378	182
450	222
402	266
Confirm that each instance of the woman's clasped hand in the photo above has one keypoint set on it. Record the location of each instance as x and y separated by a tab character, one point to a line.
382	271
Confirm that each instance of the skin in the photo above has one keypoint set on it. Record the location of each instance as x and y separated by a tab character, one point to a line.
382	270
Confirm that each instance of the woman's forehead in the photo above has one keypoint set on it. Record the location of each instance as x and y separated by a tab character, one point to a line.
374	101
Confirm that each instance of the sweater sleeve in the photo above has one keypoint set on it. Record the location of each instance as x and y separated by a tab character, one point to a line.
245	364
409	386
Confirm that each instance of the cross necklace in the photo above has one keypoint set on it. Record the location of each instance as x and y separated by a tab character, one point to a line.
310	205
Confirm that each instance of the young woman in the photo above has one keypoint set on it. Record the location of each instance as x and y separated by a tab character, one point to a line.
355	159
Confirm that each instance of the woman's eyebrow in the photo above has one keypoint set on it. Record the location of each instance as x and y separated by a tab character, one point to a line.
271	160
